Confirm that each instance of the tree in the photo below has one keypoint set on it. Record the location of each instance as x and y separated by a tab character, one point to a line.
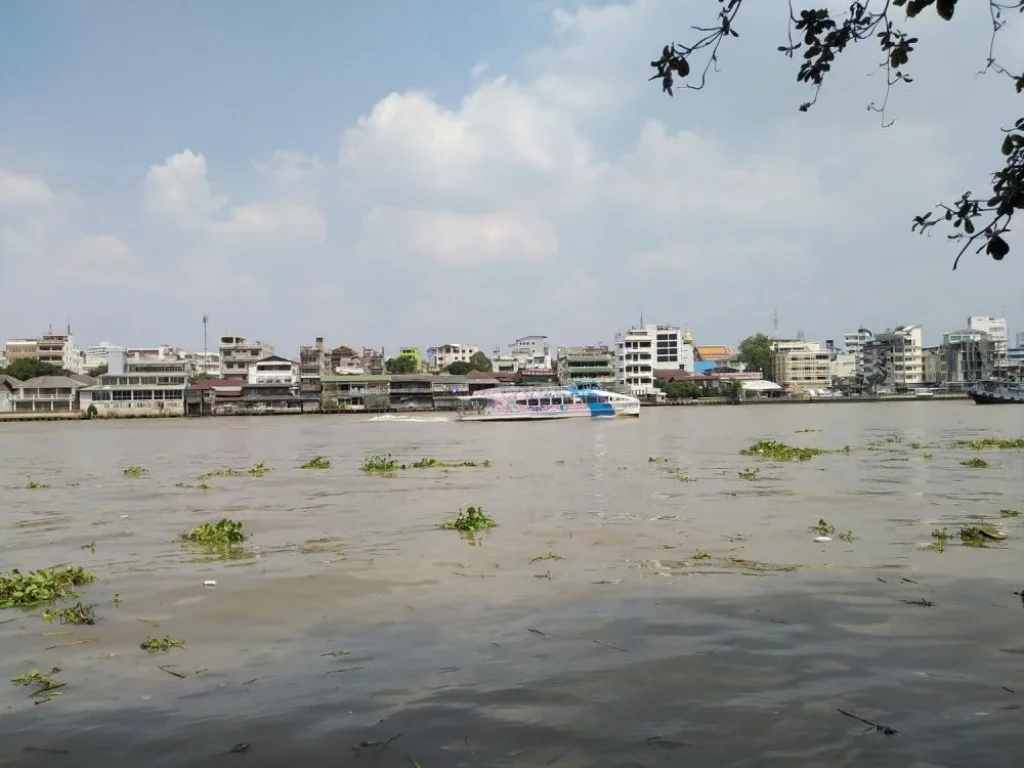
29	367
822	38
98	371
758	353
678	390
401	364
481	362
460	368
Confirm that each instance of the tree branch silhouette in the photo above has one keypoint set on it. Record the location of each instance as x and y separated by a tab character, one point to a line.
980	221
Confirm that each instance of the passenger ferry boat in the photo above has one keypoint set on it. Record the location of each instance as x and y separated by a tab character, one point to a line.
580	399
997	392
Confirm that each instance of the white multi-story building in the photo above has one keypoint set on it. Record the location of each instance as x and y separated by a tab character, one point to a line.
444	355
274	370
895	359
801	365
205	363
59	349
995	327
644	349
139	386
531	352
843	367
237	354
96	355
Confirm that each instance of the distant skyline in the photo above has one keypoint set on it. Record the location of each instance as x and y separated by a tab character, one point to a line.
388	174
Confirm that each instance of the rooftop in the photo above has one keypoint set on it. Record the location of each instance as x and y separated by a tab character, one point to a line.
217	383
52	382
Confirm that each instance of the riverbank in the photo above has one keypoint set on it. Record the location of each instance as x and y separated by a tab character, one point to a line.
702	401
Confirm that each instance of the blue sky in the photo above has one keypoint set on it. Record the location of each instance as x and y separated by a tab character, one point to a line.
422	172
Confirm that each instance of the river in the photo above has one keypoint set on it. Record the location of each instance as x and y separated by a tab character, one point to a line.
625	612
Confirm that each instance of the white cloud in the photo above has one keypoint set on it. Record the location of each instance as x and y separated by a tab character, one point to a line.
17	189
460	239
179	189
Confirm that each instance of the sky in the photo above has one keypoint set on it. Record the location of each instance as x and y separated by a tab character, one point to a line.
419	172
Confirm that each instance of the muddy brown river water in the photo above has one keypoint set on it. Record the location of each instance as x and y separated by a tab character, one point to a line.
626	612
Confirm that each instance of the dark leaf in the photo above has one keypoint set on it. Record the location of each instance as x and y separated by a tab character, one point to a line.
997	248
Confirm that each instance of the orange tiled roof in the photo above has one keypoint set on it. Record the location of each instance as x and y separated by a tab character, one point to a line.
708	352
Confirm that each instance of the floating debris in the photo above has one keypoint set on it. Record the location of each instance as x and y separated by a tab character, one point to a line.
823	528
974	463
380	465
42	682
161	645
317	462
25	590
472	519
222	533
135	471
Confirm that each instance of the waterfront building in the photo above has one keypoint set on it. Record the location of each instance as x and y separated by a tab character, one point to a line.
237	354
8	391
354	392
969	355
274	370
894	360
589	363
136	387
801	365
995	329
47	394
644	349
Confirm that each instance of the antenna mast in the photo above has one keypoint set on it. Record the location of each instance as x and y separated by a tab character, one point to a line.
206	322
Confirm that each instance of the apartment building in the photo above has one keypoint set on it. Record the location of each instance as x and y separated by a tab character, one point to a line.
969	355
274	370
894	359
59	349
96	354
237	353
801	365
440	357
314	360
531	352
644	349
588	363
21	349
995	329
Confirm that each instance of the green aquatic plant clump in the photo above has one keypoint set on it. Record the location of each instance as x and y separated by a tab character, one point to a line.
42	683
773	450
1003	443
317	462
75	614
32	485
379	465
822	528
1009	513
748	474
135	471
25	590
220	534
974	463
470	520
431	463
160	645
258	470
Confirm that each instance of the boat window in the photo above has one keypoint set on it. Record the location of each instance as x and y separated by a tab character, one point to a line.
522	401
603	399
533	401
